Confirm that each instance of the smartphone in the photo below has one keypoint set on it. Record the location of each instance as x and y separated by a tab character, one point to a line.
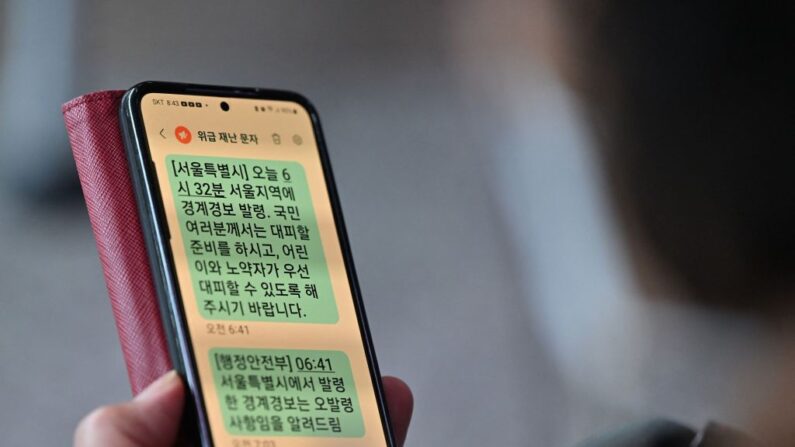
252	267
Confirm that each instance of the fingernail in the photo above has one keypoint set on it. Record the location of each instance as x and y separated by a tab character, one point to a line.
163	383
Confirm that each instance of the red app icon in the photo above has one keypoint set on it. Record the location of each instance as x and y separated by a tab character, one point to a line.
183	134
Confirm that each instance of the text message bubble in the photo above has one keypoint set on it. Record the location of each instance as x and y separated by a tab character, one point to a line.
251	239
286	392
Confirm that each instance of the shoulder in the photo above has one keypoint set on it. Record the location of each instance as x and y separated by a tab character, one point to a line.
664	433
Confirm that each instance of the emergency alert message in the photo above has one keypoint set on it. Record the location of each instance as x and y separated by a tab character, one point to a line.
286	392
251	240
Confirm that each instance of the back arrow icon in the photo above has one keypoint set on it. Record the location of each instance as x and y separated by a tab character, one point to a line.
161	132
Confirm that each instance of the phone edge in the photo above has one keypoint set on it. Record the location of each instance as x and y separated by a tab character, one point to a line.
174	324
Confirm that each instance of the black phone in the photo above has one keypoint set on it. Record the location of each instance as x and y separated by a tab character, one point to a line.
252	267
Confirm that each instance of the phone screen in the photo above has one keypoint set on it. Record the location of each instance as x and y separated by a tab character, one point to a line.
261	273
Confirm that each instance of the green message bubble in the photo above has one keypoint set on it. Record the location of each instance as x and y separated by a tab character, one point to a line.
251	239
286	392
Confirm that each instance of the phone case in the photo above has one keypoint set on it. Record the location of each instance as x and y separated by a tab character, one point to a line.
92	122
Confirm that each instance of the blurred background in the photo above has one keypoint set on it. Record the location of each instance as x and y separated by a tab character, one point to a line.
494	279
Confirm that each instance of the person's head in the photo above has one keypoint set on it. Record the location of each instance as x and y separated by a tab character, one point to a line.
691	103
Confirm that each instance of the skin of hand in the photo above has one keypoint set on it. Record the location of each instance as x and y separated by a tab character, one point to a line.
152	418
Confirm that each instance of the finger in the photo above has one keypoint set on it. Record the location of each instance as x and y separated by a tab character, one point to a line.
151	419
400	402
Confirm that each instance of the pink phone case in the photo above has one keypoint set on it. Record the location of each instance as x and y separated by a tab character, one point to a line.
92	122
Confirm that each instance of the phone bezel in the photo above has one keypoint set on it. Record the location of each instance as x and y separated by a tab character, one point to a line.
156	234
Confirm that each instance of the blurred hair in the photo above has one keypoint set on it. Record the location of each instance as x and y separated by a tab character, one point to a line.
691	102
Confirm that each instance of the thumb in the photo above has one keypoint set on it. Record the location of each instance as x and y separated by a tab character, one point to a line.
151	419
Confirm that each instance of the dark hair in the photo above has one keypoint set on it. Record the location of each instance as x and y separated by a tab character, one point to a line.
692	103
